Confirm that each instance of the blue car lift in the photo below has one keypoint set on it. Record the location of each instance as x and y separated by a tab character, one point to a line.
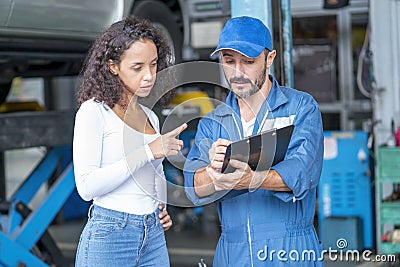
22	229
24	239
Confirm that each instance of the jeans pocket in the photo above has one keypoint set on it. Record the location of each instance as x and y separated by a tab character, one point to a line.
103	229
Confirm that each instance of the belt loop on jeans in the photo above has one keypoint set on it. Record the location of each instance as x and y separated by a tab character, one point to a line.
156	221
89	214
126	219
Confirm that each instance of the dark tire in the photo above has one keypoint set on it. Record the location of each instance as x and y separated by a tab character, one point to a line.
160	14
4	90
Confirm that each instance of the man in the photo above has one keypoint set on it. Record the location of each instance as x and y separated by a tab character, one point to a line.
266	216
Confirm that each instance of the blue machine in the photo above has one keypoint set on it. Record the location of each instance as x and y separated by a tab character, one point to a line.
345	187
23	229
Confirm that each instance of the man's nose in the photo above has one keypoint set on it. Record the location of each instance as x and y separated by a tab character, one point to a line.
239	70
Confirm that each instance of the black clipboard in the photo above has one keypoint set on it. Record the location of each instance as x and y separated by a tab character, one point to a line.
261	151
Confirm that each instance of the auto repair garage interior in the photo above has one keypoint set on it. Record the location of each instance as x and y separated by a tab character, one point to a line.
346	54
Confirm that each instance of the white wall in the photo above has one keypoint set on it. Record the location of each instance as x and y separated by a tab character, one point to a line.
385	46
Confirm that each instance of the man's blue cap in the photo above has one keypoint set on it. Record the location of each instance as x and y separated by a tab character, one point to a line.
246	35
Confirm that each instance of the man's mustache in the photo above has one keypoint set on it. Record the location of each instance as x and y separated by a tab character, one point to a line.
239	80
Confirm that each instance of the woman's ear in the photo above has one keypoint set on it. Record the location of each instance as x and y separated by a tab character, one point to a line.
112	67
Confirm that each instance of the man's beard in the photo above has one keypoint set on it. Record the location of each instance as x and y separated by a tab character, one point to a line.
254	87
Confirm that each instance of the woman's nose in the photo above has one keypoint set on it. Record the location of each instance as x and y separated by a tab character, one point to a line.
148	75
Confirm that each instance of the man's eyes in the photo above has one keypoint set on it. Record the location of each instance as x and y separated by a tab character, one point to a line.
245	62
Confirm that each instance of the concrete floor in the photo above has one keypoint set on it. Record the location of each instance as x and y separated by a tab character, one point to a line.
186	247
187	244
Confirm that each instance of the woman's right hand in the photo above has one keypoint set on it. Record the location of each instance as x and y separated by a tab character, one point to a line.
167	144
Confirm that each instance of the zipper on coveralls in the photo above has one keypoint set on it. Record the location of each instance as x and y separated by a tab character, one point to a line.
248	217
249	232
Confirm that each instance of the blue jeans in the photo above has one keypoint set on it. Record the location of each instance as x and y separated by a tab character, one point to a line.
113	238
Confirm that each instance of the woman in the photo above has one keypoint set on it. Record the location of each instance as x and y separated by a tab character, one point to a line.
118	150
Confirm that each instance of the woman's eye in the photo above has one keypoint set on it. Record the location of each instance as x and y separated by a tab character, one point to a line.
137	68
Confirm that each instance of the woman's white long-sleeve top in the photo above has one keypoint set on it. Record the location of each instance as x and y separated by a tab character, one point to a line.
113	163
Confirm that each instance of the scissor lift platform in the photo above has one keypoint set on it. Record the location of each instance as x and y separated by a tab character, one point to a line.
24	239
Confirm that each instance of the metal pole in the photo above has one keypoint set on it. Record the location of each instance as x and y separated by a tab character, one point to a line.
287	42
2	177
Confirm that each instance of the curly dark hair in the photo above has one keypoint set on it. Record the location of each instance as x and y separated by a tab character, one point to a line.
98	82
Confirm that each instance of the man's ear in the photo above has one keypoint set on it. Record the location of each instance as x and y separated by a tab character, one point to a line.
270	58
113	67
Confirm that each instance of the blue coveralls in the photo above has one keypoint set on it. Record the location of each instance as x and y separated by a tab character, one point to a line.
263	226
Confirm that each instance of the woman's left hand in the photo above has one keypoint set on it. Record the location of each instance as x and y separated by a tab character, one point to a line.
165	219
